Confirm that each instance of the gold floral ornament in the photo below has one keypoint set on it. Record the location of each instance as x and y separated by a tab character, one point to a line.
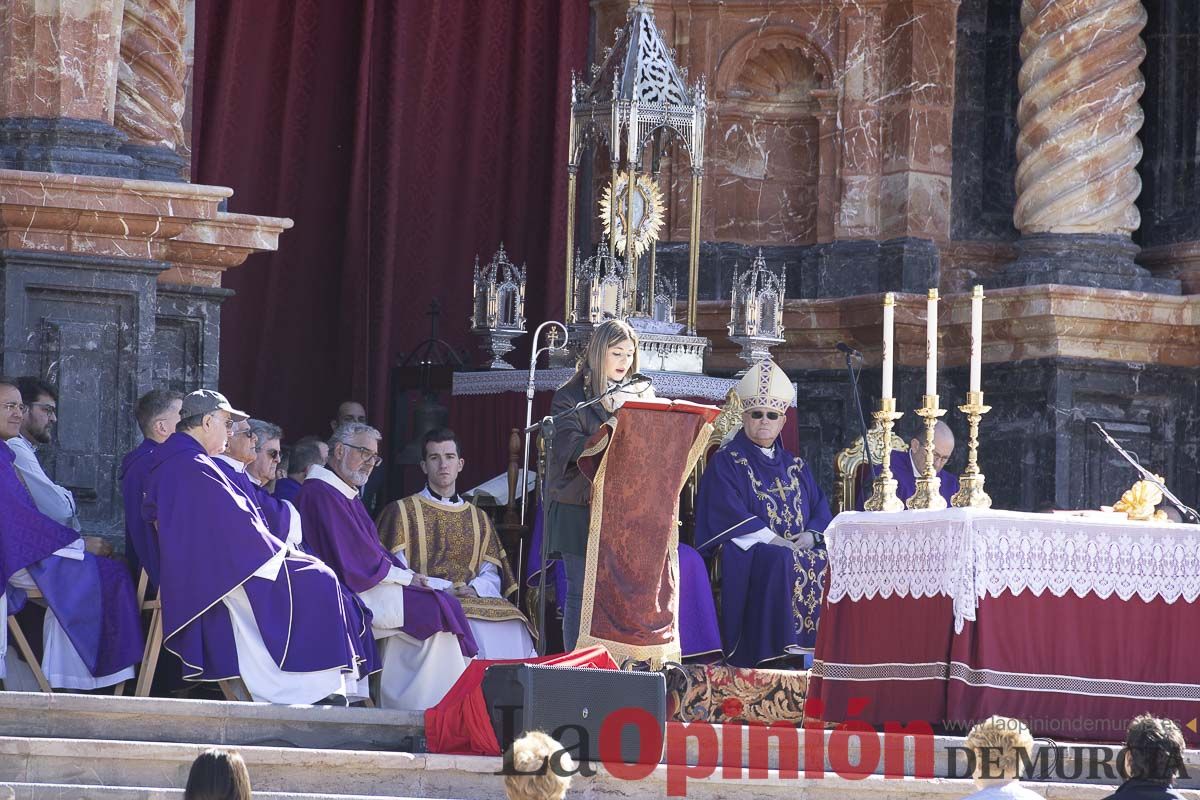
648	212
1138	501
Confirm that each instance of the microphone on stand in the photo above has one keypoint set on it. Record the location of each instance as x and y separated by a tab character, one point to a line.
852	354
639	377
1186	511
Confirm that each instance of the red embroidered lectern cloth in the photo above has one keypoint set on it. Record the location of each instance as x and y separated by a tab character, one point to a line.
631	580
1071	624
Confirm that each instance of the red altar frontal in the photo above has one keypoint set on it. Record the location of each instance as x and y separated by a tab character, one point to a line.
486	406
1072	624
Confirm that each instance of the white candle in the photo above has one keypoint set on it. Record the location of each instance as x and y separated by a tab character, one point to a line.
976	336
889	316
931	344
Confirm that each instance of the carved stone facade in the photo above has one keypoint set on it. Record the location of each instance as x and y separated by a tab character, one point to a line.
111	285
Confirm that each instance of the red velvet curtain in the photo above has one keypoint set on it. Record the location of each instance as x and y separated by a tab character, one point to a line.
403	138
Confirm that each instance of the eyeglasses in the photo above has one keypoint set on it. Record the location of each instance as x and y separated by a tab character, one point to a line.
11	407
771	415
249	434
366	455
50	408
271	454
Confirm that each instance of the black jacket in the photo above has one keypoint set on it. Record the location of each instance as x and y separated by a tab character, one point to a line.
564	482
1137	789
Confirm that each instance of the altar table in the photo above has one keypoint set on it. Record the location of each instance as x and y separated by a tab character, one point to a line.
1072	624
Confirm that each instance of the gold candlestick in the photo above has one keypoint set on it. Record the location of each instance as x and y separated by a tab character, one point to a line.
883	496
928	496
970	492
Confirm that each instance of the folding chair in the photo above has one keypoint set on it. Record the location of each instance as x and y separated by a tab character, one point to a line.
18	637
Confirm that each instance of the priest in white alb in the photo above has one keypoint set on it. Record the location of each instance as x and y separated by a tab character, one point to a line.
453	544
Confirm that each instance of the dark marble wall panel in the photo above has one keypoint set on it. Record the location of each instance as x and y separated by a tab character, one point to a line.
1037	443
86	325
1170	167
186	337
985	120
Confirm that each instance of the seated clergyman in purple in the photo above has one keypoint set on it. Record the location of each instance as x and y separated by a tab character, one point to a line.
426	639
242	451
236	600
157	415
92	634
907	467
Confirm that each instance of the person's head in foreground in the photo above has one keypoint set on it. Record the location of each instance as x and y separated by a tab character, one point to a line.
998	743
218	775
540	770
1153	750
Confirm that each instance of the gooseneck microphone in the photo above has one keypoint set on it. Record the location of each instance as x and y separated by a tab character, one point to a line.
848	350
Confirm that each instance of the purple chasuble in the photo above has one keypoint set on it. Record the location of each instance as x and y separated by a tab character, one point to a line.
771	595
277	516
339	530
906	480
93	598
286	489
141	543
212	539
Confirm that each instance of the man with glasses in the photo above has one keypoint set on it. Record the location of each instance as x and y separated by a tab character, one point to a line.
237	601
906	467
352	411
426	641
762	507
91	632
237	461
37	429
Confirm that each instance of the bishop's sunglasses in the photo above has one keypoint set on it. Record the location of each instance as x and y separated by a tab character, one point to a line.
771	415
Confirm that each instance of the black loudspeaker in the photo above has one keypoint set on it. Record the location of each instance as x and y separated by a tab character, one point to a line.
571	704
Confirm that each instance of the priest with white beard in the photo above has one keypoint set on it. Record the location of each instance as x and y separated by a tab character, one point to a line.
425	640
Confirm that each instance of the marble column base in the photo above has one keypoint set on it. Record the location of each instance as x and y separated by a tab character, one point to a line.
1102	261
65	146
157	163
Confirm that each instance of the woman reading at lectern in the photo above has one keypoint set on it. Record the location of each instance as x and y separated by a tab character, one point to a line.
611	358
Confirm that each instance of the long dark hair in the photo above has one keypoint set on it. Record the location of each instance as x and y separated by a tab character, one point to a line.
609	333
218	775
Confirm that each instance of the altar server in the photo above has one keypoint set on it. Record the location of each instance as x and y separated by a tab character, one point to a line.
454	545
762	507
236	600
91	634
426	639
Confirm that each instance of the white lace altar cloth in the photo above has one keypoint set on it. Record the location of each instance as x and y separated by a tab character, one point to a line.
967	554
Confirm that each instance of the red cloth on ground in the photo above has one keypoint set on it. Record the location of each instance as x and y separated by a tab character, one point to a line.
460	725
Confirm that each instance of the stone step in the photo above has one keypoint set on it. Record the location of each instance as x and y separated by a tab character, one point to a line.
218	722
287	771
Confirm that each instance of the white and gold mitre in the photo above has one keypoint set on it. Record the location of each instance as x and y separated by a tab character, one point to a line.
766	386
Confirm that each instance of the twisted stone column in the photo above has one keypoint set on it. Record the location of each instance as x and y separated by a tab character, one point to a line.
1079	115
150	81
151	84
1078	150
